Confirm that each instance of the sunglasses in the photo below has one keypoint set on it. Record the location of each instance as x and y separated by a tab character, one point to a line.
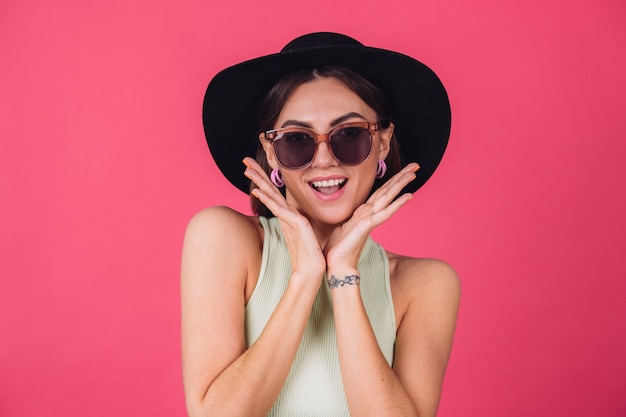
349	144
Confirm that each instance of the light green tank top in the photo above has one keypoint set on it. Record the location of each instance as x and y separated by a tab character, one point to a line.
314	386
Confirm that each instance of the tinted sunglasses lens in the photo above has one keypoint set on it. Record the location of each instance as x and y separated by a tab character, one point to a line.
351	145
294	149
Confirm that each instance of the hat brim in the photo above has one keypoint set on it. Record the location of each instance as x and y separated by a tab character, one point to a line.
420	105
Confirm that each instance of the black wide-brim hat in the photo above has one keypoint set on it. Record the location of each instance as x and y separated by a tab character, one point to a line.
420	106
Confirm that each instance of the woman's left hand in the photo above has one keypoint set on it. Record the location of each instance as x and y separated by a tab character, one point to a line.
344	246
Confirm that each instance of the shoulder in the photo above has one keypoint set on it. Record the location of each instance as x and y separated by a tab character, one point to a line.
428	283
220	218
422	271
224	229
220	235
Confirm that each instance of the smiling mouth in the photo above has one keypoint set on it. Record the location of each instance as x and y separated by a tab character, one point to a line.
329	186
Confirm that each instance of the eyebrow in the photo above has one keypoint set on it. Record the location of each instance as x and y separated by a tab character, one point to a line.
335	122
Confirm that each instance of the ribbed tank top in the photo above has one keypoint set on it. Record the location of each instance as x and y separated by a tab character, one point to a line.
314	386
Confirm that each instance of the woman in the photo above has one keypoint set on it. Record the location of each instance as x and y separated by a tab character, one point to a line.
296	311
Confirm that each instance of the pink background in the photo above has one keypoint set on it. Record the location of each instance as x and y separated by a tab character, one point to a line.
103	162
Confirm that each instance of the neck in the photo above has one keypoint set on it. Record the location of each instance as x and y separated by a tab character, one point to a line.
323	231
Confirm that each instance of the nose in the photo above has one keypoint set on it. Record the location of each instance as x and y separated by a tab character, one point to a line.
323	157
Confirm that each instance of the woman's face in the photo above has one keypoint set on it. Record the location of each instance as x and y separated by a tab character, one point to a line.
321	105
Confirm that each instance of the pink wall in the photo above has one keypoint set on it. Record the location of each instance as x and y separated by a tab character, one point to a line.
103	161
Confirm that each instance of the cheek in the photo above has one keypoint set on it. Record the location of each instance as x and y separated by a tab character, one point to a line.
367	187
369	167
294	195
369	172
293	185
365	175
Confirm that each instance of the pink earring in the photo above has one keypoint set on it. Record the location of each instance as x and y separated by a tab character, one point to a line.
276	178
382	168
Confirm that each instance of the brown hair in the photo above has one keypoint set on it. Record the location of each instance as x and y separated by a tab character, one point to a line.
272	105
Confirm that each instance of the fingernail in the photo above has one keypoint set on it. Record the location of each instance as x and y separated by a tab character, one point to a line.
245	161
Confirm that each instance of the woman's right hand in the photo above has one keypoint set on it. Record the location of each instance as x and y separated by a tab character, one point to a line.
307	258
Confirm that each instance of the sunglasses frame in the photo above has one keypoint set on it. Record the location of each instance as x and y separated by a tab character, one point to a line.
273	136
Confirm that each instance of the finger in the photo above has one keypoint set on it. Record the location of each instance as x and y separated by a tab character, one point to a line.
377	215
257	175
278	206
259	178
268	194
385	214
385	196
253	166
399	177
411	168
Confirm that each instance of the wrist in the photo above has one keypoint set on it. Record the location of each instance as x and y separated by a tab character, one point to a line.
348	280
343	268
343	278
305	281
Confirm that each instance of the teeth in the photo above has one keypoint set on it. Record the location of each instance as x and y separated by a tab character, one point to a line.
329	183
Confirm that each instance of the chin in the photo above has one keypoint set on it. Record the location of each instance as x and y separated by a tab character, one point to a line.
332	215
332	212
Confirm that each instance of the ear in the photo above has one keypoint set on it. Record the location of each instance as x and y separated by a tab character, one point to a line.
385	141
269	151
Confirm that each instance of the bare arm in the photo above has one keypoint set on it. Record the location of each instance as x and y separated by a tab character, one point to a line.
430	292
424	339
221	377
